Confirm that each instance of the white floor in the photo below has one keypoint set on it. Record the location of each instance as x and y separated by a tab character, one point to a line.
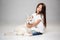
52	33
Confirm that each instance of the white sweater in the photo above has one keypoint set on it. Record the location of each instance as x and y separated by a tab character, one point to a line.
40	26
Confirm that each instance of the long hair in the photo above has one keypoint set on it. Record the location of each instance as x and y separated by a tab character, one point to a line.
42	12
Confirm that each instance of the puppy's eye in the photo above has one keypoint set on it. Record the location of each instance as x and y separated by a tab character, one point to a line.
30	20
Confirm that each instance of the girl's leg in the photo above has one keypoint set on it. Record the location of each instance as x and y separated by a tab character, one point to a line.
36	33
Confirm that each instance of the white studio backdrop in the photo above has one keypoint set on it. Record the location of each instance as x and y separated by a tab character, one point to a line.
16	11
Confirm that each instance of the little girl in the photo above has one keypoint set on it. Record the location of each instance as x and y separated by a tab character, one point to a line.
37	22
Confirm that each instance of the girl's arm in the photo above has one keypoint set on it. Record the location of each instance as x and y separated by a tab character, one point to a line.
33	24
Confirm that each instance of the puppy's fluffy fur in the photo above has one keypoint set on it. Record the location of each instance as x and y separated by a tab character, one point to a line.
22	29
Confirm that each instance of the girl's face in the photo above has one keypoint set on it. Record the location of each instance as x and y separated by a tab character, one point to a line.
39	8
